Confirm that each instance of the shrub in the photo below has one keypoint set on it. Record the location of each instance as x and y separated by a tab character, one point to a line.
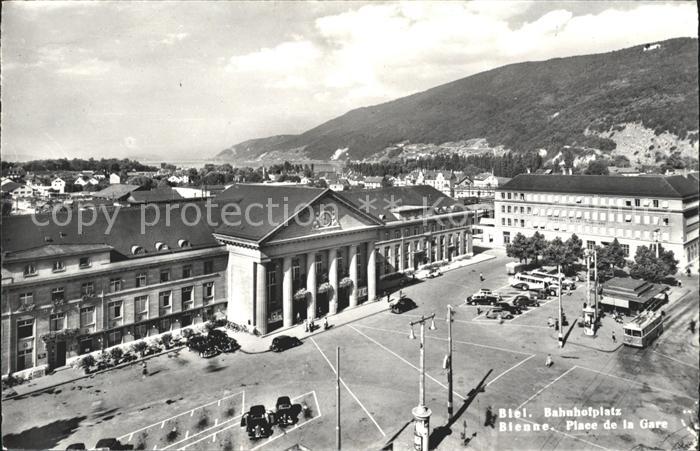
209	326
87	362
116	354
173	434
203	420
141	440
167	340
139	347
186	333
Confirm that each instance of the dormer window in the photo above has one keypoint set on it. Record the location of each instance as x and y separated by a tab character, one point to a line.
160	246
59	266
183	243
29	270
136	250
85	262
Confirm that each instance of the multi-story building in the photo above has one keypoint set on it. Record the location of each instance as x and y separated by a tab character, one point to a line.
265	256
638	211
442	181
70	289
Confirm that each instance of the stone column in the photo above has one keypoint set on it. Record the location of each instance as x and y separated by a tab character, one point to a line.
333	280
462	242
401	256
428	246
468	243
352	257
311	285
446	246
411	256
287	303
261	298
371	272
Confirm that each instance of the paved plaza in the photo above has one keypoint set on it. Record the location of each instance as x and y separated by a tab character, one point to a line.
191	403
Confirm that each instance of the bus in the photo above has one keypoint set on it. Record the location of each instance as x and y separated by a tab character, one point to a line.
526	282
554	278
643	329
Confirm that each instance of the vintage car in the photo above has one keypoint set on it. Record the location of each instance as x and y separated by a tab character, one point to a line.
258	422
428	273
402	305
526	300
221	341
497	312
286	413
484	297
202	346
510	308
284	342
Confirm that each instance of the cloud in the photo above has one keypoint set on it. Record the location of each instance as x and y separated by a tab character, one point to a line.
172	38
86	68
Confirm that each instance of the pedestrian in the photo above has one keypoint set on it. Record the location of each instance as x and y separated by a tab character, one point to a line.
691	326
144	369
613	337
478	311
325	323
679	284
548	362
568	290
481	276
489	416
298	318
687	272
306	325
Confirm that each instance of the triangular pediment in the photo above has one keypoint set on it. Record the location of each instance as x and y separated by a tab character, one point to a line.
327	214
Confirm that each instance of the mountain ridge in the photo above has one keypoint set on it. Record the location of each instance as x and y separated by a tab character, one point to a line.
572	102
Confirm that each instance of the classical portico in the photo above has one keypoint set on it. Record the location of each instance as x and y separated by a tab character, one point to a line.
319	262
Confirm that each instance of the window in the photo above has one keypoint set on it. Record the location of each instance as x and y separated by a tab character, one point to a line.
522	210
503	208
187	298
271	284
628	203
59	266
522	196
664	204
25	328
208	290
208	267
164	299
29	270
164	275
87	289
637	203
590	245
509	196
187	271
141	279
529	210
506	237
665	221
114	338
57	321
26	299
603	216
87	316
85	262
503	195
655	203
115	285
503	221
140	308
296	270
510	222
522	223
58	294
115	309
625	249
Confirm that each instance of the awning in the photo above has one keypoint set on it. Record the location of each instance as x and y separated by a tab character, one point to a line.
615	302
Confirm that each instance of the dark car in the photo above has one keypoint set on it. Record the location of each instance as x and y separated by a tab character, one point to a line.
523	300
484	297
286	413
283	342
402	305
539	294
110	444
221	341
202	346
257	422
510	308
76	447
497	312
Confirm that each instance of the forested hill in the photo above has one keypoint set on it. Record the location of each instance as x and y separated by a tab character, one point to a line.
579	101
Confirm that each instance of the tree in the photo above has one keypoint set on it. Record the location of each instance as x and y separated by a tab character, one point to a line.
646	266
554	252
597	167
536	246
573	252
518	247
610	256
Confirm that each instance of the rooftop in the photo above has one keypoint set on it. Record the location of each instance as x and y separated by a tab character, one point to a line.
676	186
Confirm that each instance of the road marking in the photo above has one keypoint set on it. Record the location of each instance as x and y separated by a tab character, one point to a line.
162	422
404	360
636	382
348	389
508	370
202	432
162	425
192	413
187	434
444	339
545	387
213	435
272	439
675	360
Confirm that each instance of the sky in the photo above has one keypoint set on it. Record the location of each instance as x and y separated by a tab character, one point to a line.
184	80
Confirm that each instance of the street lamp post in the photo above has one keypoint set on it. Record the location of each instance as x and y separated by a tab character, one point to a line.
450	312
595	282
421	413
561	324
656	242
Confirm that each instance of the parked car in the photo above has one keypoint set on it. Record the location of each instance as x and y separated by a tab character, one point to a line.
286	413
495	312
484	297
402	305
510	308
108	444
258	422
526	300
76	447
221	341
284	342
539	294
428	273
202	346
